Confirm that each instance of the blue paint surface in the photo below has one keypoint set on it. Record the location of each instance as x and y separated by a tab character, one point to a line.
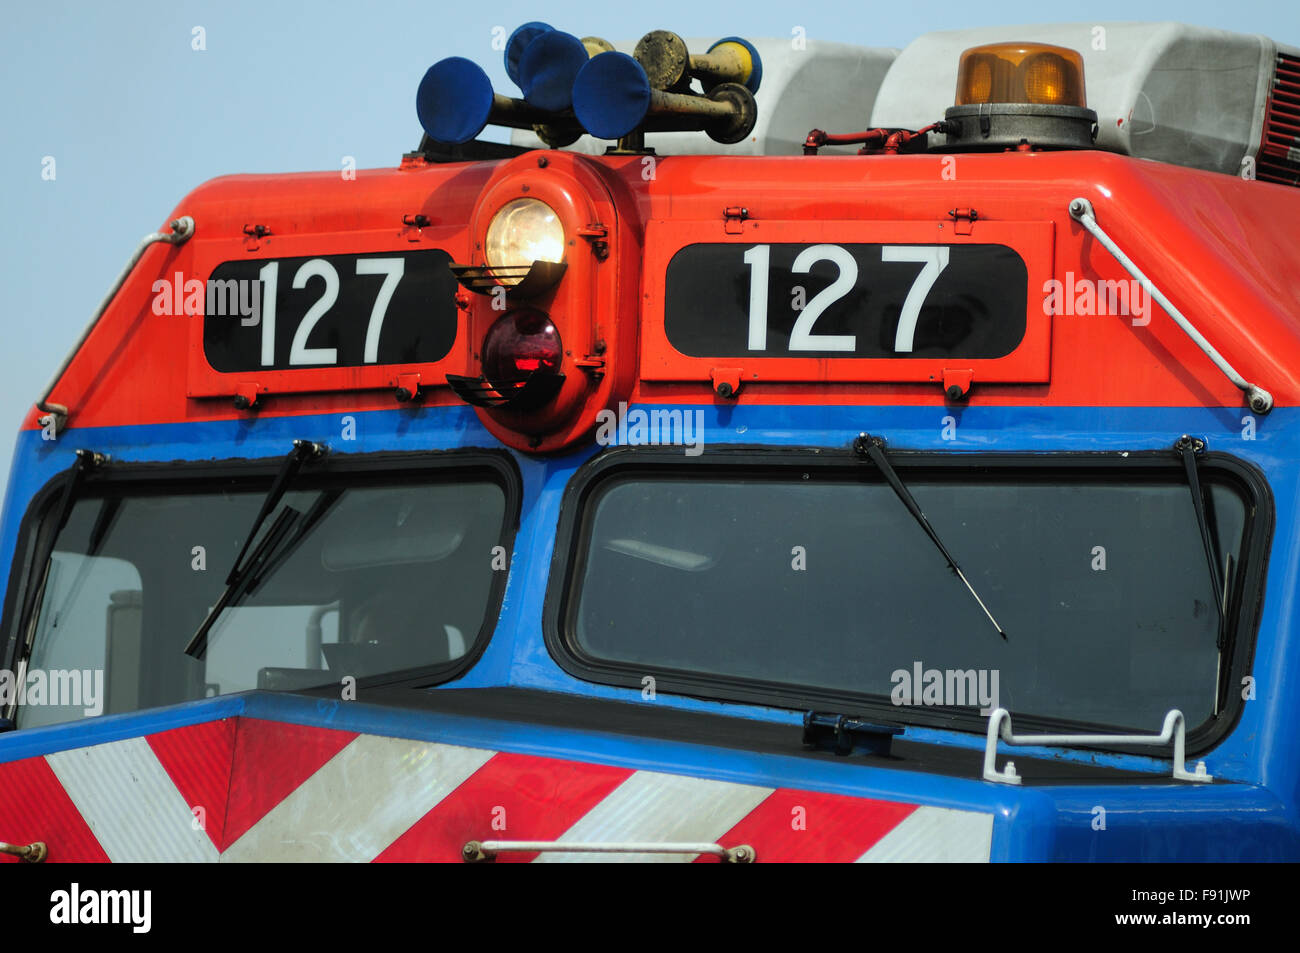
1253	816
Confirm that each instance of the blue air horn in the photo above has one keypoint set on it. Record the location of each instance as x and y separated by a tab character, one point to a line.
544	62
455	101
613	97
670	66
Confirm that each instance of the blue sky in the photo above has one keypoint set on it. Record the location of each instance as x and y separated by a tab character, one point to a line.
135	117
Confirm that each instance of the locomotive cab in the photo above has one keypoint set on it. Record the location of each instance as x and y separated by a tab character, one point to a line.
743	462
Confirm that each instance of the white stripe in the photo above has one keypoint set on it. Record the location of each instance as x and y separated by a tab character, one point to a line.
935	835
359	802
132	806
653	807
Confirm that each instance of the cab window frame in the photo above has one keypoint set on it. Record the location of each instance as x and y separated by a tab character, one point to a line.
256	475
574	536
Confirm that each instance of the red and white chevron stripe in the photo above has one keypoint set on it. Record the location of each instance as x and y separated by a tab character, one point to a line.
245	789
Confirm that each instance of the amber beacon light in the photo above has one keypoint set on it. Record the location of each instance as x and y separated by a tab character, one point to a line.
1020	73
1012	94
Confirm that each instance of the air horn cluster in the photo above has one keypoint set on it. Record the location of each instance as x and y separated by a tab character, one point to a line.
573	86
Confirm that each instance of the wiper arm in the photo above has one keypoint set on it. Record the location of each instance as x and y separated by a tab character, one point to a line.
244	573
873	447
1188	447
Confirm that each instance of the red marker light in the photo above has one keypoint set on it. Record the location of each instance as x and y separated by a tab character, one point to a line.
520	344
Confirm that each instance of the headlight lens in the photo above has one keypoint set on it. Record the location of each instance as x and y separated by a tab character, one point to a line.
524	231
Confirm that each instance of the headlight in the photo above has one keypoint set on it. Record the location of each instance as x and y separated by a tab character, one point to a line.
522	232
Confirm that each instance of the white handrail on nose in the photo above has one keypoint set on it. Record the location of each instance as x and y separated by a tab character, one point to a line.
1261	401
478	851
1175	730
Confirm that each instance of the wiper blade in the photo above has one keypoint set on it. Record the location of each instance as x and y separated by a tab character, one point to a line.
245	572
873	447
85	460
108	510
1188	448
302	451
242	582
274	558
34	596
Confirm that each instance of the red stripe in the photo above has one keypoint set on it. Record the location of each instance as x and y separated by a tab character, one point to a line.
198	760
271	760
810	827
512	797
34	807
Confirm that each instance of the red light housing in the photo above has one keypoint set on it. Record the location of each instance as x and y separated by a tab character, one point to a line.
566	347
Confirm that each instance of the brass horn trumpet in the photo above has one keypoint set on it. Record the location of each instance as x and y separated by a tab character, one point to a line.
670	66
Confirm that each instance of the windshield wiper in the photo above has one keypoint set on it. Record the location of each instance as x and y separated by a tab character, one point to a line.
34	596
1188	448
873	447
245	572
276	557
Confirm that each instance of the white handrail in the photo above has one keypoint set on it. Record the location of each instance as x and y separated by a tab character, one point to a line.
1261	401
1175	730
475	851
181	231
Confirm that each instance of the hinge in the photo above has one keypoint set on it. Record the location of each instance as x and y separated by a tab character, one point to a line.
845	734
964	218
247	394
254	235
726	381
592	364
413	225
407	388
597	234
732	218
956	383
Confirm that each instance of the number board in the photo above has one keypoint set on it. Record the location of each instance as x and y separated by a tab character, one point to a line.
858	301
330	311
870	301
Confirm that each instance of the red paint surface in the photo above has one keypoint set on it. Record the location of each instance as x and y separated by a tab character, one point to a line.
534	798
271	760
34	807
1220	247
811	827
198	759
241	768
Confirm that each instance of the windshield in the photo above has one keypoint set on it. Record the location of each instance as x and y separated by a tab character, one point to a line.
822	582
388	577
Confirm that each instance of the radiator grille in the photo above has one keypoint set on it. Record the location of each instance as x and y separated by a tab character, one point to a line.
1279	150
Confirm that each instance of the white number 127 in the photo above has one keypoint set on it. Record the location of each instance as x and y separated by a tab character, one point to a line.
934	259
